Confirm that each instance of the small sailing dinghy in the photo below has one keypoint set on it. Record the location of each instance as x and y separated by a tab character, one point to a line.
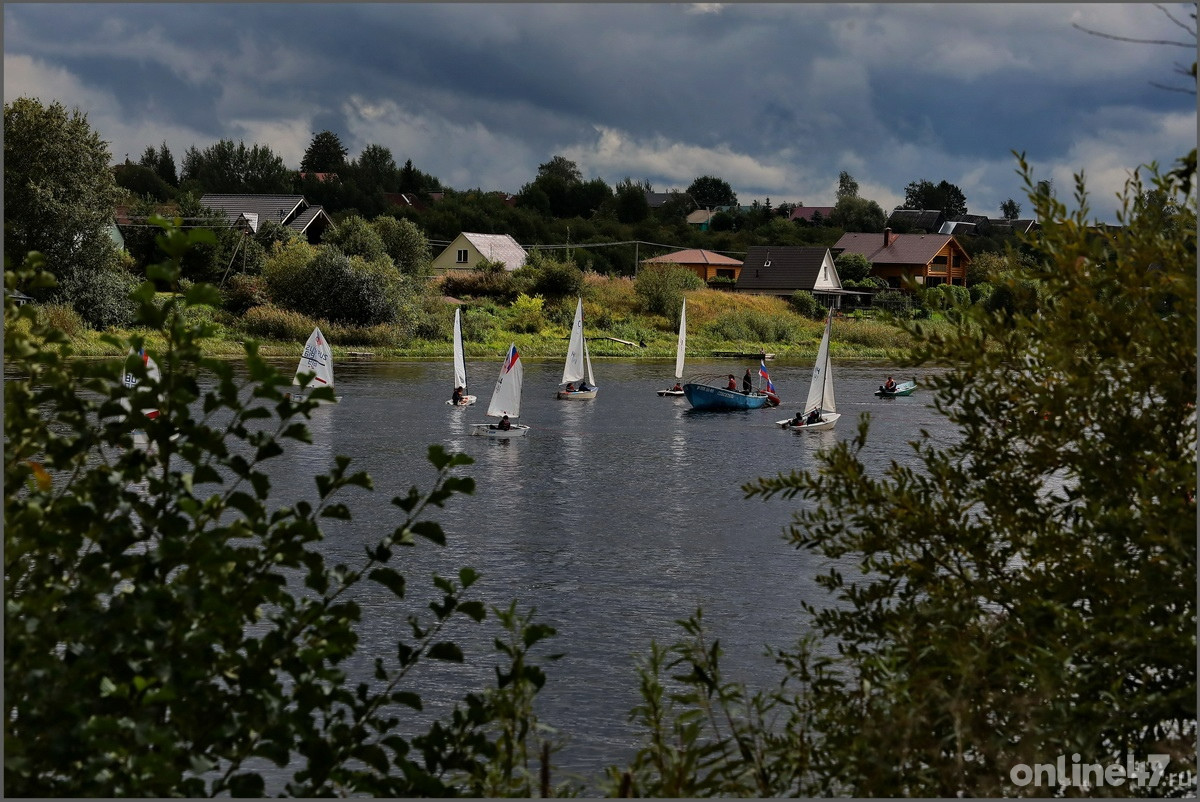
577	360
318	360
820	392
680	350
140	438
460	397
903	388
506	401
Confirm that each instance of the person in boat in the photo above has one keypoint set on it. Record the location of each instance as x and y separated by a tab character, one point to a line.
505	424
799	419
570	388
457	397
889	386
747	382
732	382
813	417
583	387
678	388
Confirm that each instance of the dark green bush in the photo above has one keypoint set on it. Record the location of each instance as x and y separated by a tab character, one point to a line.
272	323
805	303
660	287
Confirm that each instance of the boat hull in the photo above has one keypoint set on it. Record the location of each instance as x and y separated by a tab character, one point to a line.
490	430
905	388
704	396
827	422
576	395
673	393
467	401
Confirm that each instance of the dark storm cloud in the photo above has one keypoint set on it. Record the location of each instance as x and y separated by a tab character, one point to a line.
778	96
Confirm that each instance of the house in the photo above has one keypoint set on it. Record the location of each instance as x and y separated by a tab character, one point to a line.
705	264
929	259
291	211
701	218
806	213
781	270
468	250
927	220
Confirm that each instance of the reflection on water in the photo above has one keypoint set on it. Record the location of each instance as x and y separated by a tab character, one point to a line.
614	517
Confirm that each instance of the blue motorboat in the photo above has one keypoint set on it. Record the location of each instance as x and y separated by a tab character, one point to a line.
709	396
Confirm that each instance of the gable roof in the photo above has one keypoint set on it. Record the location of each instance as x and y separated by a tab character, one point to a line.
280	208
783	267
692	256
806	212
498	248
927	219
903	249
656	199
303	221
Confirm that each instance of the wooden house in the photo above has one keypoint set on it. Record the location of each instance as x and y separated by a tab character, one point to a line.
929	259
705	264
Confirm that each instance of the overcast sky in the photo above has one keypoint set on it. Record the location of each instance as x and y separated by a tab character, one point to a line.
776	99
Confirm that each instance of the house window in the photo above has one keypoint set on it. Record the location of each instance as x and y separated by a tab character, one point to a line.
462	256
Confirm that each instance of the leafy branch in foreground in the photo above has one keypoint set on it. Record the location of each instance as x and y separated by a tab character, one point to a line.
165	632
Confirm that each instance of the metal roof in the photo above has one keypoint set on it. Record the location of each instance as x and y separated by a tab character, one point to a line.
782	267
498	248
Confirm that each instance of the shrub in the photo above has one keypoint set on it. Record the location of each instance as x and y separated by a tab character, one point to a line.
806	304
273	323
242	292
101	297
497	285
980	292
526	314
63	318
661	287
354	236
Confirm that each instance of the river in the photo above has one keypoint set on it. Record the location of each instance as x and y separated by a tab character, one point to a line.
614	518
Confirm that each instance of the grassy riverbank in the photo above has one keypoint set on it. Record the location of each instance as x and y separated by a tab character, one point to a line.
615	327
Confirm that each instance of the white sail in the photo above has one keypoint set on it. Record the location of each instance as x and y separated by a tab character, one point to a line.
573	368
506	398
587	358
681	346
460	363
317	358
820	389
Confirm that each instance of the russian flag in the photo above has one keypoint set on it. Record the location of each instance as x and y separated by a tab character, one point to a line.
511	359
762	371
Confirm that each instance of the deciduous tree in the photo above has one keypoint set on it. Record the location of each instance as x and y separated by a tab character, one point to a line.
708	192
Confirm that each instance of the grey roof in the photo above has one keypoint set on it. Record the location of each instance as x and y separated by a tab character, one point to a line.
781	267
498	248
280	208
927	219
302	221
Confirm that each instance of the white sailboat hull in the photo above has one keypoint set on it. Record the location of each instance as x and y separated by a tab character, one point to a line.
490	430
467	401
827	421
576	395
676	393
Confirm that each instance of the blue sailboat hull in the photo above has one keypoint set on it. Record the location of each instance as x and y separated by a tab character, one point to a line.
704	396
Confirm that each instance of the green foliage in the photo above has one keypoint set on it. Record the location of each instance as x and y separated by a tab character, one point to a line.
325	154
852	267
1030	590
162	163
708	192
354	236
750	325
527	315
805	303
661	287
229	168
170	626
406	244
498	285
550	278
326	283
273	323
943	196
853	213
59	198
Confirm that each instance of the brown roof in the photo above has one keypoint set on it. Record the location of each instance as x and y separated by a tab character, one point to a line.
807	212
692	256
781	267
905	249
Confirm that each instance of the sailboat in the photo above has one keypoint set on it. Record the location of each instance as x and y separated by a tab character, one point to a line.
577	359
460	366
506	400
820	391
680	350
140	438
316	359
